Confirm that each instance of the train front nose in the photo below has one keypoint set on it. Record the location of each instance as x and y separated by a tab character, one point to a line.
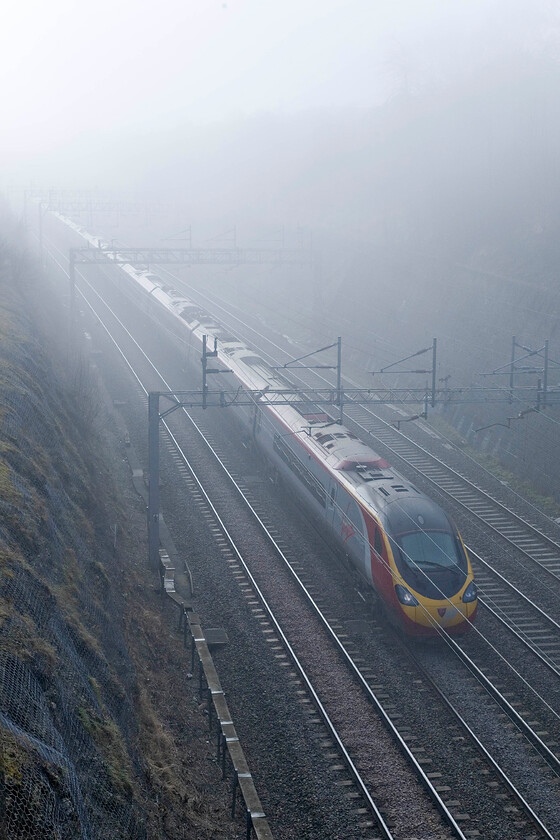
457	616
424	616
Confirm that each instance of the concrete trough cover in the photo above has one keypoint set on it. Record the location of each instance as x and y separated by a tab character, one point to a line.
261	827
216	637
229	730
220	706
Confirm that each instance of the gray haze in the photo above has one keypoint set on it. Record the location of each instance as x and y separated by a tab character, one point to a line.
87	88
416	139
421	126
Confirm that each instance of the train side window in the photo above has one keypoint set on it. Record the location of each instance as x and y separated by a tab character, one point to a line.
378	542
333	495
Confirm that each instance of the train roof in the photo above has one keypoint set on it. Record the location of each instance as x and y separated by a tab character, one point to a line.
343	449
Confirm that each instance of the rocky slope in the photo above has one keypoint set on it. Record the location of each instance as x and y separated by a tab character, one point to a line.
98	736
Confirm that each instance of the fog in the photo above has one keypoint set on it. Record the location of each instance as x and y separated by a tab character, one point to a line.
422	129
86	88
413	142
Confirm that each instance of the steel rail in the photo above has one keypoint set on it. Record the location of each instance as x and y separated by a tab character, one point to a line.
530	644
552	760
431	790
479	745
462	480
348	760
523	636
329	629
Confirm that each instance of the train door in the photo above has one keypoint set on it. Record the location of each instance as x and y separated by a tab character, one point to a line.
333	507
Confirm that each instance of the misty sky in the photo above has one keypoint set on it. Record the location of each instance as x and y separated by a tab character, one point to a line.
71	69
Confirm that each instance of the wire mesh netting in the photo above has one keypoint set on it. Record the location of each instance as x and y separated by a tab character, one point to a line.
69	761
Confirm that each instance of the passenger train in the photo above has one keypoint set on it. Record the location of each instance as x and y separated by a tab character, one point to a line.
399	542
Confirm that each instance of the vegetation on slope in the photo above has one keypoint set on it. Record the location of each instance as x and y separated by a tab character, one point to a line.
88	694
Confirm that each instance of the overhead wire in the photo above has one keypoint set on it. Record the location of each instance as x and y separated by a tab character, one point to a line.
392	573
523	405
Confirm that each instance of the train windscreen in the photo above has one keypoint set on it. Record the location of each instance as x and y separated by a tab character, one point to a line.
432	550
433	563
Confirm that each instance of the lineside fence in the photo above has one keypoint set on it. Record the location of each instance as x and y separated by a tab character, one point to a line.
229	753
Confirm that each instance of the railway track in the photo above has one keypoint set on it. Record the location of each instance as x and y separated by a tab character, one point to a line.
521	715
531	542
523	617
539	632
385	697
524	536
329	698
376	701
528	623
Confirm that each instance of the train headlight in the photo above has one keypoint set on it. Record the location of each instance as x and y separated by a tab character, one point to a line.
405	597
470	593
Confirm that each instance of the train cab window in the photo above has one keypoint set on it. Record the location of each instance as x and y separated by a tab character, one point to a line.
378	542
433	550
432	562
